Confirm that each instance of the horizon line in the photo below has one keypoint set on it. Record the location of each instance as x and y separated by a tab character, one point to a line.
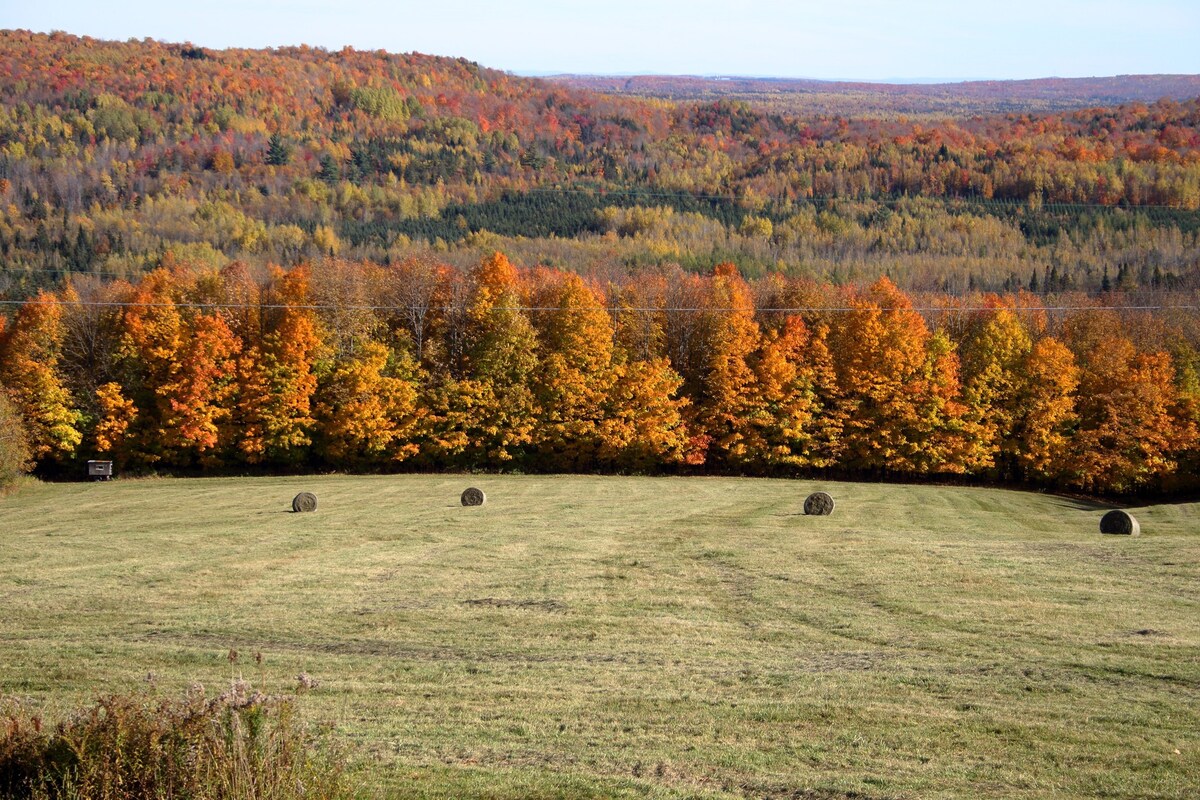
559	73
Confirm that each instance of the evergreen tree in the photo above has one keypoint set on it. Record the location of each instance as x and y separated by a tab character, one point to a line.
278	152
329	172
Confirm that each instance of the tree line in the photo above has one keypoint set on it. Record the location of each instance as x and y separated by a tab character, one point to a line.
358	365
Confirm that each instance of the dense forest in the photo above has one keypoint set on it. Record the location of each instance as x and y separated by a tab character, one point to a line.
291	258
113	153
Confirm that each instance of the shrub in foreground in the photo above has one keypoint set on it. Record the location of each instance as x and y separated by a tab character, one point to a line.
241	745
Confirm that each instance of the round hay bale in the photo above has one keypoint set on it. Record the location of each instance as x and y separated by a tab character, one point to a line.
818	504
1120	522
473	497
305	501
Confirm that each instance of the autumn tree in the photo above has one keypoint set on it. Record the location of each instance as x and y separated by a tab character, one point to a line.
30	350
644	425
639	319
365	408
683	297
574	378
444	348
196	402
830	408
785	406
722	384
488	416
152	337
898	386
1187	414
180	375
412	287
993	355
1043	412
276	378
15	456
116	414
1127	437
343	293
91	316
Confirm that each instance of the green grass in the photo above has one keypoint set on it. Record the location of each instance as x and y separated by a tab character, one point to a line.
638	637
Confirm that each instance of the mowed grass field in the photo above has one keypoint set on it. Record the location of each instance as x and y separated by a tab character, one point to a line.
637	637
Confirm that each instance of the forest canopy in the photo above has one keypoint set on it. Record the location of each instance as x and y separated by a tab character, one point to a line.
113	153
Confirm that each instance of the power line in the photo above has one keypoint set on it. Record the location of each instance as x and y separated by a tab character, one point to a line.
609	309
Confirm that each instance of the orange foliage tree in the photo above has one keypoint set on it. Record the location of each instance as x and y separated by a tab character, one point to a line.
787	405
1128	437
180	365
276	379
898	388
721	381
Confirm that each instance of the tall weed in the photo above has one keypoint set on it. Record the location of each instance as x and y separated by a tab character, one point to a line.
241	745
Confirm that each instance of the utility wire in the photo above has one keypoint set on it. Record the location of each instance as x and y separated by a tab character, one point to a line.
610	309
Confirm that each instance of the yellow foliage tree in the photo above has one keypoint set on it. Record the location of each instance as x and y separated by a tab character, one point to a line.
1045	411
365	412
29	356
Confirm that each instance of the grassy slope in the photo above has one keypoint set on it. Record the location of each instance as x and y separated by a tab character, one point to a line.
644	637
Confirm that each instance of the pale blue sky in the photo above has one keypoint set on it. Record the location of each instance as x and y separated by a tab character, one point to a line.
849	39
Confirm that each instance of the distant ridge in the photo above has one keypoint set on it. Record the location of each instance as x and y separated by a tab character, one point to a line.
808	95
